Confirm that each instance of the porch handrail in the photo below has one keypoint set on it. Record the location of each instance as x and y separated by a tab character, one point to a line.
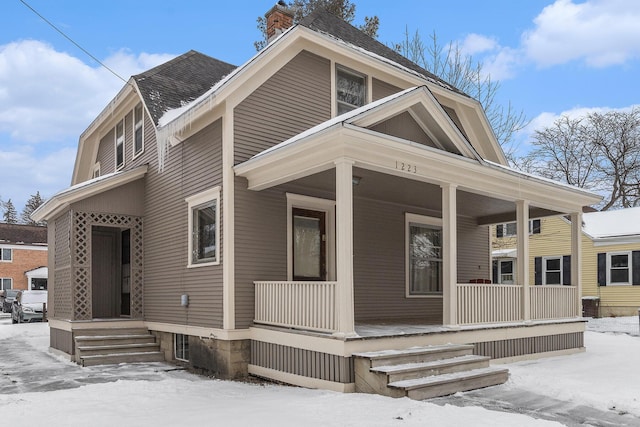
554	302
303	305
488	303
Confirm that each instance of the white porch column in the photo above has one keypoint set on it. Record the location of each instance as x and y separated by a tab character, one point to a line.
522	221
449	255
576	257
344	246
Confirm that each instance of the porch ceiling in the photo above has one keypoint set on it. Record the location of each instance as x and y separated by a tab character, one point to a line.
395	189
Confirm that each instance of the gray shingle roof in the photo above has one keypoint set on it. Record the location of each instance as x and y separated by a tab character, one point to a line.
179	81
322	21
22	234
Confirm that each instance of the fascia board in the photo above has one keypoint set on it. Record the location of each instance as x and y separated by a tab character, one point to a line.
62	200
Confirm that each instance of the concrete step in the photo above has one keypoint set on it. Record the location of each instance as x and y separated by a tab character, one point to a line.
111	332
409	371
93	350
442	385
117	358
415	355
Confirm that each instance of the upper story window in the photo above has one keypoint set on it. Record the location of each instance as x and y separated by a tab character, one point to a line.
204	228
96	170
120	144
510	229
6	254
351	90
138	130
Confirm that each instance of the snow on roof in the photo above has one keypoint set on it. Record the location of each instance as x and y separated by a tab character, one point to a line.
616	223
504	253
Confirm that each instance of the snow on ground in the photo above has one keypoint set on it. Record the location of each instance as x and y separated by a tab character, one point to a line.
603	377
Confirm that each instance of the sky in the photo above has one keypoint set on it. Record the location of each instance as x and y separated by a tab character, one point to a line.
596	387
551	58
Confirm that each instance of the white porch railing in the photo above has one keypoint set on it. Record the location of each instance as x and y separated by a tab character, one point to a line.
488	303
554	302
304	305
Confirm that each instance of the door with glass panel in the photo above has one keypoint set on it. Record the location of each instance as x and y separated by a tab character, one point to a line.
309	245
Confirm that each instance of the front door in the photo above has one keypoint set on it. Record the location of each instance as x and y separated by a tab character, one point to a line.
105	273
309	245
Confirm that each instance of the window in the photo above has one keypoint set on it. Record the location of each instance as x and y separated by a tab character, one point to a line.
96	170
619	268
6	254
552	270
511	229
351	90
6	283
423	255
204	228
181	347
506	271
138	130
120	144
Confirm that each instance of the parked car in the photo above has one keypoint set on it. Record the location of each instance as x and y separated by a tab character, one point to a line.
28	306
7	302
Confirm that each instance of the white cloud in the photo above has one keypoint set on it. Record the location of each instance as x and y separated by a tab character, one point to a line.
599	32
477	43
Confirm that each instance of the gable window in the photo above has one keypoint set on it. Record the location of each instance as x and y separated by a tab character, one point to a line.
6	254
552	270
204	228
423	255
181	347
6	283
120	144
351	90
510	229
138	130
619	268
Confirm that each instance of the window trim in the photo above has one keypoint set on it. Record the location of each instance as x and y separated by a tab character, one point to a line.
2	279
10	259
133	114
185	340
117	142
341	68
195	201
411	218
96	170
317	204
629	267
544	270
498	280
503	227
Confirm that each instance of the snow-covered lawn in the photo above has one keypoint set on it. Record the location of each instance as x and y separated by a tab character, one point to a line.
605	376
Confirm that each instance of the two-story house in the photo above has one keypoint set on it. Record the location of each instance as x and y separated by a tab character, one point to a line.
23	249
285	218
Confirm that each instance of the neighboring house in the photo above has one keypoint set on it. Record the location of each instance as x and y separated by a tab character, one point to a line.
272	218
610	263
22	249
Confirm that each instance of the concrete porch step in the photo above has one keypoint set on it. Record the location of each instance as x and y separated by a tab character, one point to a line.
436	367
117	358
93	350
442	385
106	340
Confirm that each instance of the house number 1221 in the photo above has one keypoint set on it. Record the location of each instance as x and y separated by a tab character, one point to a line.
406	167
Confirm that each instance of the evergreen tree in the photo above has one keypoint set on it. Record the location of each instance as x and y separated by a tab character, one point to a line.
10	215
32	204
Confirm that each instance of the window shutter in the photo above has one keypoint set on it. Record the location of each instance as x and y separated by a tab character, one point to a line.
495	272
635	266
537	264
602	269
499	230
535	226
566	270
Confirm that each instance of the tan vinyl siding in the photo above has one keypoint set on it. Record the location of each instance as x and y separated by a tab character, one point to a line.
106	153
403	126
294	99
124	200
261	251
379	262
191	167
382	89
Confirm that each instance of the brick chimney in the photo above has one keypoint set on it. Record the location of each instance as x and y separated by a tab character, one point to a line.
279	18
